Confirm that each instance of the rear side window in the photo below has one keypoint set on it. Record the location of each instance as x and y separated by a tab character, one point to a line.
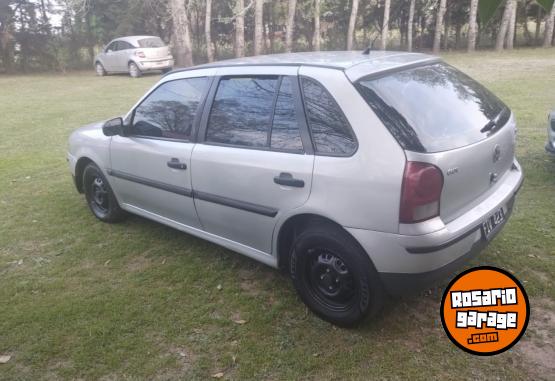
123	45
433	108
151	42
170	110
329	128
256	112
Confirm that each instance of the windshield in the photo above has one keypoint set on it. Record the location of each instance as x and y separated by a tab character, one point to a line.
434	108
151	42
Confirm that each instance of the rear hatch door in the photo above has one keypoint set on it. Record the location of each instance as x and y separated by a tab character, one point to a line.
154	48
441	116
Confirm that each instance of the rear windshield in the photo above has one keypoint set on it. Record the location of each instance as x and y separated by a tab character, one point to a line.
151	42
434	108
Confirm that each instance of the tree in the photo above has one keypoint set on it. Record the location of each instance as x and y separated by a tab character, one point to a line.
290	25
352	24
472	26
549	26
208	31
317	37
439	26
240	28
509	41
505	20
258	25
182	36
385	24
410	25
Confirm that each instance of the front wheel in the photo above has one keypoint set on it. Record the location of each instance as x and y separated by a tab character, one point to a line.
334	277
99	195
99	69
134	70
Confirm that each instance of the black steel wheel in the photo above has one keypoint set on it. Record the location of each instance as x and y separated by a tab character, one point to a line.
99	195
333	275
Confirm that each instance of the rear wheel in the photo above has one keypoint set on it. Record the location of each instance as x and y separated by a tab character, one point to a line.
334	276
134	70
167	70
99	195
99	69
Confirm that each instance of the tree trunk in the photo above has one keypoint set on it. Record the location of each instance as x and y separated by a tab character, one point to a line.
509	42
258	23
505	21
447	25
290	25
352	24
182	33
385	25
271	26
410	25
472	26
549	23
208	32
538	25
90	40
239	28
439	26
317	25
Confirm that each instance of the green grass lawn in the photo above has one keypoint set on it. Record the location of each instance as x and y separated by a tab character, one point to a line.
83	299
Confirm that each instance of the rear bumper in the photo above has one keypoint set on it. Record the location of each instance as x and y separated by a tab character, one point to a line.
158	64
412	262
404	283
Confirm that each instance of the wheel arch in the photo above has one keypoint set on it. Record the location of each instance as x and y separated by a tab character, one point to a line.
82	162
295	224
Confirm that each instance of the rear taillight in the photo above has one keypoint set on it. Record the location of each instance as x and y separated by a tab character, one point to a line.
140	54
421	192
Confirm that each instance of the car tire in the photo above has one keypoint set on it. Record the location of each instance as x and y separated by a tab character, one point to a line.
100	71
99	195
167	70
334	277
134	70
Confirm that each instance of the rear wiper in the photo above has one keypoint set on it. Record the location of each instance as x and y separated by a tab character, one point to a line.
492	124
489	126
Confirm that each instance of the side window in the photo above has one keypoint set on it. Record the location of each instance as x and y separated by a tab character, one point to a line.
112	46
125	45
169	111
285	126
329	127
242	110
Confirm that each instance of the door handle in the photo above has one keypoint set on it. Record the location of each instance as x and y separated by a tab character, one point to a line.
287	179
176	164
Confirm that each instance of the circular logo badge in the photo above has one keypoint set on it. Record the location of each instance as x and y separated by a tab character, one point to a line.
485	310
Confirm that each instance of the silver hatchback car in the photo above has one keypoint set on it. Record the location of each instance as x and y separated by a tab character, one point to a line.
134	55
360	174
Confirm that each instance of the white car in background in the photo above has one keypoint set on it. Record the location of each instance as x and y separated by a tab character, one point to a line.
134	55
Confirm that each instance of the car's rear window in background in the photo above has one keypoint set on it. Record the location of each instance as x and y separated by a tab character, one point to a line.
433	108
151	42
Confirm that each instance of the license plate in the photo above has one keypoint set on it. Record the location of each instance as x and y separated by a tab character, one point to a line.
493	221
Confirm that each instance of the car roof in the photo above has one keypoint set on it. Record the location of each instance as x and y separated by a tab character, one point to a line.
133	39
354	63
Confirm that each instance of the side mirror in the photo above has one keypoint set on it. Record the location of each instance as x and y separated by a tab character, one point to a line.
113	127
